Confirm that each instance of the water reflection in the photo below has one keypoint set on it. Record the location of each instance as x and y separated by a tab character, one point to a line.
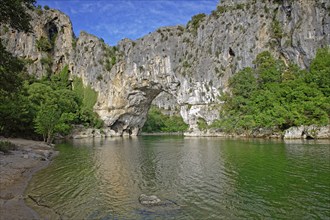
199	178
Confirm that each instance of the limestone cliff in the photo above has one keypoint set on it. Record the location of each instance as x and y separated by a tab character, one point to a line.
174	67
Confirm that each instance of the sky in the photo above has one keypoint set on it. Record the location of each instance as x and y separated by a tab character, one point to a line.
114	20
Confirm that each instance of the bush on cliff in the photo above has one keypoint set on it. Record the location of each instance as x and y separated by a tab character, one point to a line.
276	96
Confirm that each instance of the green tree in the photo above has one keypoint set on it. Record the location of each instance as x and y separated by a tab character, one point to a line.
88	99
16	114
268	68
275	96
43	44
14	13
320	70
51	120
14	111
11	69
159	122
14	108
56	110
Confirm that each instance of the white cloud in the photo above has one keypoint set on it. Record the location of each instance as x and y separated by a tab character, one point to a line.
116	19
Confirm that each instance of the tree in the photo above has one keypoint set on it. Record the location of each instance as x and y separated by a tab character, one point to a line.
10	72
51	120
14	108
268	68
55	110
320	70
276	97
46	120
15	13
55	104
159	122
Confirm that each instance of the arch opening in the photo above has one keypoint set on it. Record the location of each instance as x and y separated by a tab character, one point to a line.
164	115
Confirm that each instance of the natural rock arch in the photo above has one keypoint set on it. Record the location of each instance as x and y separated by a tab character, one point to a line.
125	105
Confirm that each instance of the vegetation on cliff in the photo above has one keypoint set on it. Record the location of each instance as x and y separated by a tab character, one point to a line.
48	107
13	109
160	122
15	14
275	96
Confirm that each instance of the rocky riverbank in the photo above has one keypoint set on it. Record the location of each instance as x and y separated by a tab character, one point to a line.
16	169
301	132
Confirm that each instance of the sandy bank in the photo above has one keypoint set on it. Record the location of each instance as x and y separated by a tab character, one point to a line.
16	169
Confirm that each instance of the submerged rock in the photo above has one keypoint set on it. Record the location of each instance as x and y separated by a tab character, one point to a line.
149	200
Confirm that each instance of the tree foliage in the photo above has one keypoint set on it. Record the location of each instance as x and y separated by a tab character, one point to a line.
14	107
276	97
195	21
11	69
48	107
54	105
57	106
14	13
159	122
88	98
43	44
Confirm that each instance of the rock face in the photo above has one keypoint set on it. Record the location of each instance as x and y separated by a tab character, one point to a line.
50	24
182	68
307	132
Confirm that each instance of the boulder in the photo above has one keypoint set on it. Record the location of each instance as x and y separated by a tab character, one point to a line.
149	200
307	132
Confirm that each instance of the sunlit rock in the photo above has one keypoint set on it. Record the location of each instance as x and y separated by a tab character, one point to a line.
191	64
149	200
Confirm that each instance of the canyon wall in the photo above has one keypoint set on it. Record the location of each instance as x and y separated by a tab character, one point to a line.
180	68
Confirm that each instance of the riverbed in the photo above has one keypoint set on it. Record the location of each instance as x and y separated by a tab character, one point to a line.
196	178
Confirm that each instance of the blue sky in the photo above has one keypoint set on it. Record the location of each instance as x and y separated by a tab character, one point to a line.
114	20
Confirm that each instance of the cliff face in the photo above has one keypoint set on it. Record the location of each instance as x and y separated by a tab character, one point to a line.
50	24
178	67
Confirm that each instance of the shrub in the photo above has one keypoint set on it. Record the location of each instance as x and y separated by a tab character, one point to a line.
195	22
6	146
180	28
99	77
274	96
5	29
159	122
46	61
74	43
277	31
43	44
202	124
240	7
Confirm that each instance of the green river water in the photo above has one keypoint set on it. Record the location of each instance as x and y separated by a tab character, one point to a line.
196	178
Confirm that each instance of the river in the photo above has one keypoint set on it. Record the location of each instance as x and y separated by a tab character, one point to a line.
196	178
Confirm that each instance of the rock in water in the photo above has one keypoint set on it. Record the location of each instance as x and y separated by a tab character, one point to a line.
149	200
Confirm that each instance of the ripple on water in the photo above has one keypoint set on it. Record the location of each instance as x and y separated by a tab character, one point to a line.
200	178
